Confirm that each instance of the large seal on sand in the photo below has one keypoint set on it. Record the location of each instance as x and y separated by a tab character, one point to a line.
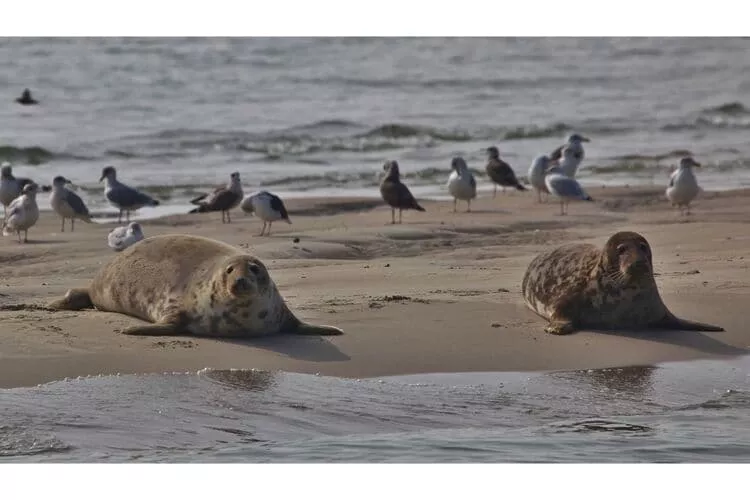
579	286
190	285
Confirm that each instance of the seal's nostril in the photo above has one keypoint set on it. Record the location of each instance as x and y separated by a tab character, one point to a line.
254	268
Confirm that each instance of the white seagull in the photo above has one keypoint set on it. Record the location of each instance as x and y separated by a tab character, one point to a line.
267	206
122	237
683	186
23	212
122	196
67	204
10	186
571	154
537	171
565	188
461	183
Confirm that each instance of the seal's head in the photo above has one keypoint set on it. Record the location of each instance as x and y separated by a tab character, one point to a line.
627	257
108	172
243	277
458	164
493	152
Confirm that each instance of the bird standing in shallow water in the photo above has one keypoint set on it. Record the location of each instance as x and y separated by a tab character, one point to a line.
683	186
461	183
267	206
67	204
396	194
500	172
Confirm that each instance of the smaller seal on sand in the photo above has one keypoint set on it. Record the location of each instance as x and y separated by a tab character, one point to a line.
26	99
683	186
222	199
461	183
67	204
190	285
579	285
395	193
268	207
500	172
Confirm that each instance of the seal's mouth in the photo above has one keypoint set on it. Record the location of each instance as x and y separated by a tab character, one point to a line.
243	286
640	268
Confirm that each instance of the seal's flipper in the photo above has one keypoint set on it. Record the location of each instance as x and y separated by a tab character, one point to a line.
307	329
672	322
75	299
155	330
560	327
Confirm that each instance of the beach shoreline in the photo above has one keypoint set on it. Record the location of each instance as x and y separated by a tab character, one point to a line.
440	293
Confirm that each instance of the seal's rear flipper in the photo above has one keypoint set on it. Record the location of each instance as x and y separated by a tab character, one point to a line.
671	322
155	330
75	299
307	329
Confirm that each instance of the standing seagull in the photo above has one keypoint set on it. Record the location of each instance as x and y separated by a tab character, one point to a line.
122	196
396	194
461	183
574	157
683	186
122	237
537	172
223	198
500	172
23	213
67	204
565	188
10	187
267	206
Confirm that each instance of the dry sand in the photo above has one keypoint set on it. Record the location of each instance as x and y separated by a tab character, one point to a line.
440	293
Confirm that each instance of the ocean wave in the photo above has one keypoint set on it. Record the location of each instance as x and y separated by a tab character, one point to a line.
729	108
34	155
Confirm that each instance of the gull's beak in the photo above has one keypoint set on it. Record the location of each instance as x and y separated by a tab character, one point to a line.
585	139
101	178
696	164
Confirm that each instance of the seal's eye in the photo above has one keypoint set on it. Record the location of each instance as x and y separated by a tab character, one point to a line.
254	269
621	249
230	269
644	247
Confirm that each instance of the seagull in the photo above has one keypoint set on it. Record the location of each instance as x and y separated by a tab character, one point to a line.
124	197
23	212
10	187
500	172
683	186
574	140
461	183
396	194
122	237
537	171
267	206
223	198
564	188
26	98
67	204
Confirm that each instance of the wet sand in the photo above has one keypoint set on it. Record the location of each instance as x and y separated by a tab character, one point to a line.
440	293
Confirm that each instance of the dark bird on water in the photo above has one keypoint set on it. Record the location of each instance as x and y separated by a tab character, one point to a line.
222	199
26	98
500	172
396	194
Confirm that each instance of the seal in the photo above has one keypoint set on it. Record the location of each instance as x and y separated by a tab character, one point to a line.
579	285
190	285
